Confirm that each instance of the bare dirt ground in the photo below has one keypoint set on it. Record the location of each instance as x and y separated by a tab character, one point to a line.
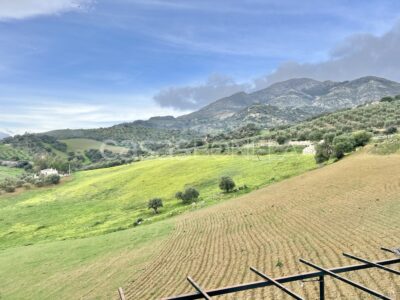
351	206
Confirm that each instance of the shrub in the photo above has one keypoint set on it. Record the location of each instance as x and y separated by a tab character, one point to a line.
391	130
179	195
281	139
190	195
343	144
226	184
9	188
155	204
387	99
323	152
361	138
52	179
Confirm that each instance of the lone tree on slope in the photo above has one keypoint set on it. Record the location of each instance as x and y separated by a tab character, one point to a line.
155	204
226	184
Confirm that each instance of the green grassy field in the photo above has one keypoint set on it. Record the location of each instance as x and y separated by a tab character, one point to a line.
80	145
90	268
9	172
67	241
107	200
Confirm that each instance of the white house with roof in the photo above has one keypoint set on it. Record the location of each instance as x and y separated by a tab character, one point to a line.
48	172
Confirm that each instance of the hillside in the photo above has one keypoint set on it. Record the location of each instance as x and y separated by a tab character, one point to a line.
375	118
106	200
351	206
3	135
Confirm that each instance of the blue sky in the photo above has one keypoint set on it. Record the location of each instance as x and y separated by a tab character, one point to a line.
83	63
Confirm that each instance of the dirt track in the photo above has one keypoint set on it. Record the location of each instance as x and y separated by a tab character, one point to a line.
351	206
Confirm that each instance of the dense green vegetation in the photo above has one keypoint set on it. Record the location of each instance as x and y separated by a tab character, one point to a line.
82	145
374	118
107	200
127	132
8	152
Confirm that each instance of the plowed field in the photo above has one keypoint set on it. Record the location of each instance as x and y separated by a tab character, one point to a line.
350	206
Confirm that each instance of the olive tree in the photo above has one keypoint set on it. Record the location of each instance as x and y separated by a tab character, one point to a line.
226	184
155	204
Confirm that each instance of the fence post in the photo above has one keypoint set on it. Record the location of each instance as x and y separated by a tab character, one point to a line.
321	287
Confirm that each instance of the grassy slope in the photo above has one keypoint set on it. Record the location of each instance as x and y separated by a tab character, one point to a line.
94	267
106	200
80	145
350	206
388	146
89	268
9	172
7	152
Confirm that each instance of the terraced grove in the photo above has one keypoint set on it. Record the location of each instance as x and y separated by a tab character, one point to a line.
351	206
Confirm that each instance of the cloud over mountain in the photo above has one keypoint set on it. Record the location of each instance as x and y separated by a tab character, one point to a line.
196	96
357	56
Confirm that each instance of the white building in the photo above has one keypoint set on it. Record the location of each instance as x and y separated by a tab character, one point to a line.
48	172
309	150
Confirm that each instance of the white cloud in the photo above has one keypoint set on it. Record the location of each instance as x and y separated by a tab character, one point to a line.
42	115
357	56
21	9
196	96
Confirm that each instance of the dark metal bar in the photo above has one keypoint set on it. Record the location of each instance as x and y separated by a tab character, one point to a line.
199	289
121	294
345	280
372	263
291	278
321	287
396	251
287	291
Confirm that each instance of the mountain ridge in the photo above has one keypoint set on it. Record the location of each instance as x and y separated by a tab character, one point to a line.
281	103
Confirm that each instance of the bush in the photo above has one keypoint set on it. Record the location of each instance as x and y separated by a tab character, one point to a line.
323	152
155	204
226	184
387	99
343	144
179	195
190	195
281	139
52	179
391	130
9	188
361	138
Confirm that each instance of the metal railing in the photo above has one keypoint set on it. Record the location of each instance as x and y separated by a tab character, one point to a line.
320	274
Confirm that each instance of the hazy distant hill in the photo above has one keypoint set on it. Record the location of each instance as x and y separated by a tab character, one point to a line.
3	135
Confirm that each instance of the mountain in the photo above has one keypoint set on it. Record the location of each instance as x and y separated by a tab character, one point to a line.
3	135
281	103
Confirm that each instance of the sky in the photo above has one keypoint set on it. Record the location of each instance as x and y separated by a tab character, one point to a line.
95	63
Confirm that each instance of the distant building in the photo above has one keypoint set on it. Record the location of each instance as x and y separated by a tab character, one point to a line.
309	150
48	172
